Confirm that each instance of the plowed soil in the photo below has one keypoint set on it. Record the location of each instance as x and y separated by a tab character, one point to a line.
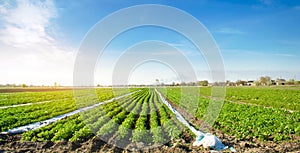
13	143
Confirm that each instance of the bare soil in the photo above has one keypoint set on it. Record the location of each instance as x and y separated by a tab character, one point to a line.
13	143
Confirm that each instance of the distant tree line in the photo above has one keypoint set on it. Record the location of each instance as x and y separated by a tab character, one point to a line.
14	85
262	81
55	84
198	83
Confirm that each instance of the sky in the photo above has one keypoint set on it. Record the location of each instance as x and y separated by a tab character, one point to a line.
40	39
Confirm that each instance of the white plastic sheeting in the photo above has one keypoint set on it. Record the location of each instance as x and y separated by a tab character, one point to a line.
206	139
179	116
54	119
26	104
33	103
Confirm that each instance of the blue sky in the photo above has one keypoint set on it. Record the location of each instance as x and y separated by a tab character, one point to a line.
39	39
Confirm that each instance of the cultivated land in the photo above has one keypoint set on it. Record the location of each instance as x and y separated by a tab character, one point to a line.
252	119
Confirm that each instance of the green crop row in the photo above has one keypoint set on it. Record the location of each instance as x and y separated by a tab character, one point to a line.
20	116
15	98
277	97
7	99
140	117
248	121
94	118
140	133
75	129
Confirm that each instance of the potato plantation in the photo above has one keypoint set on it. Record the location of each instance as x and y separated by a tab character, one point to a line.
254	115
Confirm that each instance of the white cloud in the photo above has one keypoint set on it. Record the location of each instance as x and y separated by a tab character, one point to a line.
29	52
26	23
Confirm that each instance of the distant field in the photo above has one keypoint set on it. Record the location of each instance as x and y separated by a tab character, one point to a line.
31	89
287	97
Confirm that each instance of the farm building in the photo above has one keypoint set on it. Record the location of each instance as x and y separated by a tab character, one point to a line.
273	82
250	83
280	82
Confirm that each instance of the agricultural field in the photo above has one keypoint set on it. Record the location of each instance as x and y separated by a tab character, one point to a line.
252	119
12	117
248	122
284	97
115	120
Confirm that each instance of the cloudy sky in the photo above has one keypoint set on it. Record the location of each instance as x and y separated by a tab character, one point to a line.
39	40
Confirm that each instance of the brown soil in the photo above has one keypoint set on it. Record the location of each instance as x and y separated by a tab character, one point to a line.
13	143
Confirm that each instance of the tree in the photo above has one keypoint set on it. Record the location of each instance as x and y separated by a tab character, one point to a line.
203	83
227	82
291	82
24	85
265	80
268	80
256	83
157	81
191	84
262	80
240	82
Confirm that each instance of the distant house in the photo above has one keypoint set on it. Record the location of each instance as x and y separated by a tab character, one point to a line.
273	82
250	83
230	84
280	82
240	83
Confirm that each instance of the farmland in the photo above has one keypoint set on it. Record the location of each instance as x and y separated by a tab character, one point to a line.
286	97
65	102
251	118
138	113
252	121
